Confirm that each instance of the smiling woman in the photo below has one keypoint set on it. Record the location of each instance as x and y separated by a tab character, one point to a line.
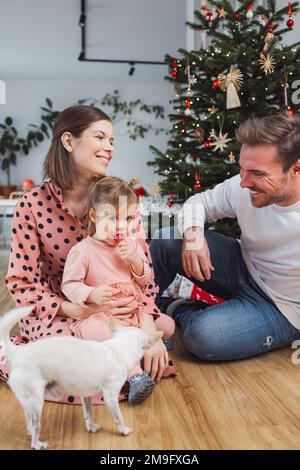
49	221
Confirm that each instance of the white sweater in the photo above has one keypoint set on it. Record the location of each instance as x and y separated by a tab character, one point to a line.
270	239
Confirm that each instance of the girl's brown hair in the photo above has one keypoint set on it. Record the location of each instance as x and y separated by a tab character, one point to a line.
75	119
108	190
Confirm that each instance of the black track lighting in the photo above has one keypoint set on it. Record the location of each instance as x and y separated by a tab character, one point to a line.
82	20
82	56
132	68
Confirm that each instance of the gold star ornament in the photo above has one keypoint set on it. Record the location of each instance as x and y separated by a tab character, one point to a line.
222	13
220	141
267	63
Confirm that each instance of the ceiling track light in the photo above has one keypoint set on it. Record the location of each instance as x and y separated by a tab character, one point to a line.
82	56
82	20
132	68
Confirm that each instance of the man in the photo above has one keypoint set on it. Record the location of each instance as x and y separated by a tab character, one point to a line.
259	276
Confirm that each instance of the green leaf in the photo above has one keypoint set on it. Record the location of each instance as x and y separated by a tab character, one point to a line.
5	164
13	158
8	121
46	109
49	103
25	149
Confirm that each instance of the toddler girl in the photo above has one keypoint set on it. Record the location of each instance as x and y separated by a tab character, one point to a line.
110	264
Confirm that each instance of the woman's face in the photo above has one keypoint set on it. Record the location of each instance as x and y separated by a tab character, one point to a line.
93	151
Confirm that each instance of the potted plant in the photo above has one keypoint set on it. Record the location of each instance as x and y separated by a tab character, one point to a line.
11	144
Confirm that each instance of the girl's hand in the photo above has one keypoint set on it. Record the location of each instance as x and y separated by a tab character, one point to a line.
102	296
128	250
156	360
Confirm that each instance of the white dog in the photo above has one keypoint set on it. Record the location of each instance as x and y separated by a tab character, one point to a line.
73	366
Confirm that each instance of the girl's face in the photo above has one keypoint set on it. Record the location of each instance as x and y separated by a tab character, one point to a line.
113	224
92	152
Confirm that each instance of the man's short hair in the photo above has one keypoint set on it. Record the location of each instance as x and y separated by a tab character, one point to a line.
281	129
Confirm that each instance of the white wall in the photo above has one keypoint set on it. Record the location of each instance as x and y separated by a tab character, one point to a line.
40	43
39	60
26	96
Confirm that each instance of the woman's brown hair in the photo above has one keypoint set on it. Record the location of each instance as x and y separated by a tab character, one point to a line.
108	191
280	129
75	119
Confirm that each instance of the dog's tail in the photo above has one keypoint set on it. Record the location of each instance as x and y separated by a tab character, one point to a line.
8	321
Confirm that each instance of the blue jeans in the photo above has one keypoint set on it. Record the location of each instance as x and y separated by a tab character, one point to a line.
247	324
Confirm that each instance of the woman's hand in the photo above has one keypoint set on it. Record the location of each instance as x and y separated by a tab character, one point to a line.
120	308
76	311
196	255
156	360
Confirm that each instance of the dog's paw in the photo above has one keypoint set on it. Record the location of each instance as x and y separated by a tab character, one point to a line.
40	445
93	427
125	430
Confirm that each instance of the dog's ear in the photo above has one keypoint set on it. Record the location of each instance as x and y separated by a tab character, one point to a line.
152	339
113	324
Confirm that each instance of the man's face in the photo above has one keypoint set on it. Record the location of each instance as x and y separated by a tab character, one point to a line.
261	172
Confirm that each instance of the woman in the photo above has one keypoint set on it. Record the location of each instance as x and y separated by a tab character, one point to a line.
49	220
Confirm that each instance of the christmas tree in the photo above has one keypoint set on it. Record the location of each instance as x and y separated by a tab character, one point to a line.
246	71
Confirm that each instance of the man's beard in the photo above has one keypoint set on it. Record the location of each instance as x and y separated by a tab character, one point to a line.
264	200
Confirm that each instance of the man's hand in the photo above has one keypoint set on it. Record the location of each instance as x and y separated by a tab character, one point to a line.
195	255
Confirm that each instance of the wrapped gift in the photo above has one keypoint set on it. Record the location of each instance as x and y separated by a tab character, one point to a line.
189	290
184	288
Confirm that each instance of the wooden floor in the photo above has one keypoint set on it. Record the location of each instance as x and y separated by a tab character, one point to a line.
251	404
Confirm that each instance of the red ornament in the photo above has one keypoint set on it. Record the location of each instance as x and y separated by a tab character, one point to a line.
271	26
174	73
250	6
188	103
140	191
207	144
208	15
184	121
290	22
238	17
174	64
171	202
197	184
216	83
291	111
